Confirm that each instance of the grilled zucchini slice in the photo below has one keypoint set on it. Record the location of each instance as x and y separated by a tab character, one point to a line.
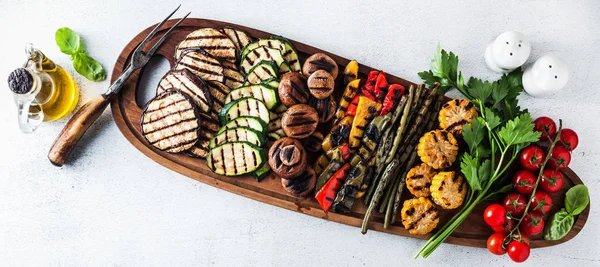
264	93
233	78
262	172
199	62
253	123
239	134
236	158
240	38
418	180
257	55
187	82
438	149
455	114
419	216
284	68
246	106
264	71
448	190
288	51
212	41
170	122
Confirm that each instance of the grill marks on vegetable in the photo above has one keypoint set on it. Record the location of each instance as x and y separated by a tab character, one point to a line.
188	83
239	37
235	158
170	122
210	40
233	78
200	63
218	92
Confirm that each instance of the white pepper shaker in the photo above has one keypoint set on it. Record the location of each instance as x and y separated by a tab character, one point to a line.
546	76
507	52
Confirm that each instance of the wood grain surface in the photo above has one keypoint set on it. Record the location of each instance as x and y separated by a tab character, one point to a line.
126	112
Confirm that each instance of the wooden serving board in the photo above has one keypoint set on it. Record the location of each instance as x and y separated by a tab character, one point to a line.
126	112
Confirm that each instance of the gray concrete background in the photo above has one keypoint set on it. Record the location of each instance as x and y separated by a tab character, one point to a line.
112	206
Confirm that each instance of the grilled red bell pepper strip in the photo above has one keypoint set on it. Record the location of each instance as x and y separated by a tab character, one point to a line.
381	87
326	195
351	110
390	101
368	88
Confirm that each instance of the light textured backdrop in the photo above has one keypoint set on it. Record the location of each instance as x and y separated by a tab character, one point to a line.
112	206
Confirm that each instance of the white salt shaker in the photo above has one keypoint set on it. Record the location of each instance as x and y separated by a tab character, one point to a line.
507	52
547	75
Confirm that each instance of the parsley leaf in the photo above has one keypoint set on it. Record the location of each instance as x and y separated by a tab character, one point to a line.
491	118
469	166
479	90
474	134
519	131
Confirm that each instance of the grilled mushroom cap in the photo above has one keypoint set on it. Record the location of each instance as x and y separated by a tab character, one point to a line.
313	142
438	149
321	84
287	158
320	61
302	185
292	89
299	121
325	107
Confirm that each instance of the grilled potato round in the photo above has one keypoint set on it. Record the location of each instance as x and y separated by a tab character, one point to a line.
438	149
448	189
455	114
419	216
418	180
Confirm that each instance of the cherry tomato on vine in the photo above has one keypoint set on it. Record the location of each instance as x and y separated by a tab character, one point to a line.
504	228
494	244
552	181
494	215
518	251
532	224
541	202
524	182
515	203
568	139
532	158
546	126
560	158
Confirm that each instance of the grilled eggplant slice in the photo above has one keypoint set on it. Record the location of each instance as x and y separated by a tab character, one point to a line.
208	128
257	55
210	40
419	216
233	78
246	106
218	92
170	122
199	62
240	38
264	93
239	134
264	71
185	81
253	123
236	158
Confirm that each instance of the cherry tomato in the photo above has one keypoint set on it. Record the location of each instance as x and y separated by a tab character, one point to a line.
494	244
494	215
560	158
524	182
541	202
568	139
532	158
505	228
518	251
552	181
532	224
515	203
546	126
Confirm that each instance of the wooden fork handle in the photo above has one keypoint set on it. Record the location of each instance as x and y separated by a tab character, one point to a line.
75	128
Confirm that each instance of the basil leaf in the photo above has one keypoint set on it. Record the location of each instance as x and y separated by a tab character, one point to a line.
577	199
88	67
68	41
559	225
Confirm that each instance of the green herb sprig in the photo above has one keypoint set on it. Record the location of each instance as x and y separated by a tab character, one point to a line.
502	130
71	44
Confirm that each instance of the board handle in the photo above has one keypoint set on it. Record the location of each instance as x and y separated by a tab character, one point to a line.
75	128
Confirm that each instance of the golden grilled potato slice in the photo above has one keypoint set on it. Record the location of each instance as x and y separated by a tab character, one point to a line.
418	180
455	114
419	216
448	190
438	149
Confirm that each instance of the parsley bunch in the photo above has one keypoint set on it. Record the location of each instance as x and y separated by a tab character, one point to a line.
502	130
